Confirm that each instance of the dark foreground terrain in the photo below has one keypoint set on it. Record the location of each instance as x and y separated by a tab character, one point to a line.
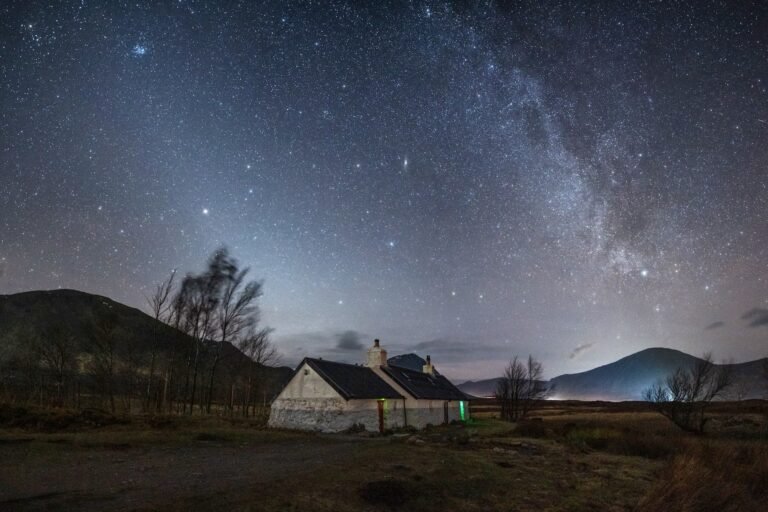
571	457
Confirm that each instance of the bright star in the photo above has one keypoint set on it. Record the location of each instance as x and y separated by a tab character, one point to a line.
391	243
139	50
644	273
205	211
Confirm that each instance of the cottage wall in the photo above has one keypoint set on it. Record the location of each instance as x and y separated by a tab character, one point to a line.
421	413
309	403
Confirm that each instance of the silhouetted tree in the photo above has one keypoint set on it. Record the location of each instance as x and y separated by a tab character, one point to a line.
521	389
200	295
236	311
160	306
686	394
103	348
258	347
57	352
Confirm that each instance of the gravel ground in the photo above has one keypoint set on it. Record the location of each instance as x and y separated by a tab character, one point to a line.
63	477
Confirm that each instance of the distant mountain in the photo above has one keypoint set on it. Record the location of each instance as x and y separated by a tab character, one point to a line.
41	314
479	388
626	378
411	361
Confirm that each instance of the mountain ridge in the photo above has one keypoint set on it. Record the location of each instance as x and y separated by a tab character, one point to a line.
627	377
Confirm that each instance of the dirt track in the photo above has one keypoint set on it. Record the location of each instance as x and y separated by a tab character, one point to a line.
133	478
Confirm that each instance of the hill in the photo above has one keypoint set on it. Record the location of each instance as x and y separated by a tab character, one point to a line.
626	378
40	316
38	313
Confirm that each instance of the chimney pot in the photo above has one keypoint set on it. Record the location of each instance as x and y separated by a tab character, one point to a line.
377	356
428	366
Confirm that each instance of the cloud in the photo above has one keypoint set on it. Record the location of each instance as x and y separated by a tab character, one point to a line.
581	347
756	317
349	340
714	325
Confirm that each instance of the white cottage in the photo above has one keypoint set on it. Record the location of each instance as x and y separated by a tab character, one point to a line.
331	397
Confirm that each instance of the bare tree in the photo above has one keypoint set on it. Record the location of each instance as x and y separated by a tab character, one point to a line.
686	394
236	311
104	355
261	352
131	358
201	295
521	389
57	354
160	306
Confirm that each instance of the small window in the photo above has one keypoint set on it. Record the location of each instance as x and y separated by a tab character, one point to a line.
306	371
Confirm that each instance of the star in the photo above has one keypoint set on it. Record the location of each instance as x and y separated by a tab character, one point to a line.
139	50
206	211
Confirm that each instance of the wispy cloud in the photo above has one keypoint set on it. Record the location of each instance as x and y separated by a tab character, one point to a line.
756	317
581	347
714	325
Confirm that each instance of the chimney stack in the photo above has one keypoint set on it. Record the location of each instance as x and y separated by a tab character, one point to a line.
377	356
428	367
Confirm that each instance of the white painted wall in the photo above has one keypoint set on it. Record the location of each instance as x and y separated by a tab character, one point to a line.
421	413
309	403
306	383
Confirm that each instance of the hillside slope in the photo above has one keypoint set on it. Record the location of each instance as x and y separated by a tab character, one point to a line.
42	314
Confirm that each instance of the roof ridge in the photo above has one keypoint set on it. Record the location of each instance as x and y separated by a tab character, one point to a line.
335	362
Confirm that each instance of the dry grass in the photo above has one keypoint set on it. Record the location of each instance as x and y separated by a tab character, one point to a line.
572	458
728	476
395	475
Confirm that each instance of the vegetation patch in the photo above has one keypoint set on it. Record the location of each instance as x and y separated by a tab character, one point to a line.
707	478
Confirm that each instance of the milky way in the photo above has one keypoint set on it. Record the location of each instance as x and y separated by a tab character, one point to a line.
574	181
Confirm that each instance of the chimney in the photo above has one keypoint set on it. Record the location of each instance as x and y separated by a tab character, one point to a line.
377	356
428	367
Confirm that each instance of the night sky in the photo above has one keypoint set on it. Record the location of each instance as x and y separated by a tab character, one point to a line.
575	181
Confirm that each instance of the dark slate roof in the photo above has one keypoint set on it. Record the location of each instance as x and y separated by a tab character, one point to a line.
424	385
352	381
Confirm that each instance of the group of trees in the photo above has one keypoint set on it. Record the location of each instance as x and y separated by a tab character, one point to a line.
204	353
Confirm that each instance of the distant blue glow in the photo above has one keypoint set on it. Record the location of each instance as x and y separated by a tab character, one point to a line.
139	50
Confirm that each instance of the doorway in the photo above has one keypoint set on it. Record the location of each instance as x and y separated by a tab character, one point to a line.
380	405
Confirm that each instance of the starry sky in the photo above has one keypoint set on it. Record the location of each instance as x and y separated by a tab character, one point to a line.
578	181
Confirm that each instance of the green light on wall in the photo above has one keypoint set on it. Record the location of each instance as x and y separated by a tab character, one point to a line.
461	410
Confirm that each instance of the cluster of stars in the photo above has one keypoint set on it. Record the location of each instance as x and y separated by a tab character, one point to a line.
524	178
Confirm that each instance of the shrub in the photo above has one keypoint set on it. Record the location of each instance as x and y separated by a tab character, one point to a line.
704	478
